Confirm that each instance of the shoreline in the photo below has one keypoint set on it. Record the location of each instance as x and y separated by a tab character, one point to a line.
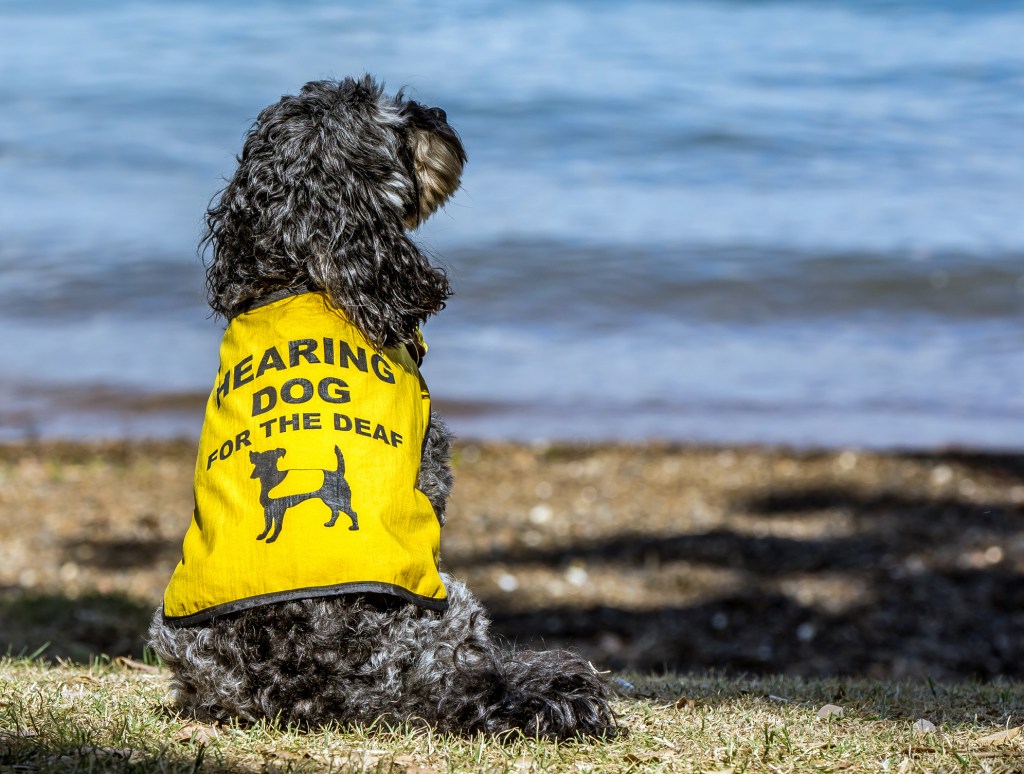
651	556
101	413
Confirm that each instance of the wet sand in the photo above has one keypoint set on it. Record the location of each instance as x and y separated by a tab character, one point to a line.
648	556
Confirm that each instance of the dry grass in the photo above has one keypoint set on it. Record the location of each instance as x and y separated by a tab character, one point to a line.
114	716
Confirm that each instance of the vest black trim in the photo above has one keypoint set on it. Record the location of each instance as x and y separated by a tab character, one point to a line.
372	587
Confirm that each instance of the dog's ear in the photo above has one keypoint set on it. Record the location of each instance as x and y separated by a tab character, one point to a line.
437	159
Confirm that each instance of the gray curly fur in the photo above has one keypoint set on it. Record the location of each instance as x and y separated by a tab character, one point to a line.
327	182
356	659
435	477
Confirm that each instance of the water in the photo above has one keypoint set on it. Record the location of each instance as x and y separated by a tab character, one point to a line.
783	222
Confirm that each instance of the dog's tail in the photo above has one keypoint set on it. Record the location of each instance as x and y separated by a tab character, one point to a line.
341	461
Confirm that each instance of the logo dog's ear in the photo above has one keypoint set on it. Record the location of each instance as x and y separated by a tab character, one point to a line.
252	457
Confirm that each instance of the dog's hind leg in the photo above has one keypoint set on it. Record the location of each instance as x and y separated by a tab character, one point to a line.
345	505
355	520
463	681
336	512
553	694
337	494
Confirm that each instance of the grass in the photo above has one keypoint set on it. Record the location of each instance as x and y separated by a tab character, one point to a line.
115	716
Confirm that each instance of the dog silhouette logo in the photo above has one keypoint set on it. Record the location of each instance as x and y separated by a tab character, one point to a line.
335	493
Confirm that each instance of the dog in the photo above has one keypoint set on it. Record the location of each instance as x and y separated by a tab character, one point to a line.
335	493
308	259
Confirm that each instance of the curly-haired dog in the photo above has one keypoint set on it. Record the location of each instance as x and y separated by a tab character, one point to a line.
324	294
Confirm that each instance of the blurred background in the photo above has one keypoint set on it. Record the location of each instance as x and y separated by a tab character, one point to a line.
715	224
781	222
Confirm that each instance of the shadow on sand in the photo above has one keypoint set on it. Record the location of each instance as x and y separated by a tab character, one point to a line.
933	586
935	589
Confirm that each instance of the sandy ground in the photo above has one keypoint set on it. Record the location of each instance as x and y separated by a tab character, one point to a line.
647	556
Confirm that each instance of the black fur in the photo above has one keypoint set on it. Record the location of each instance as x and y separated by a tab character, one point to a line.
324	185
355	659
328	181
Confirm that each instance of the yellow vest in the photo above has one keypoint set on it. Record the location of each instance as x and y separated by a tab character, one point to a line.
305	483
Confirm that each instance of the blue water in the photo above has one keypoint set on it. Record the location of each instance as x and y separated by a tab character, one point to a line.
783	222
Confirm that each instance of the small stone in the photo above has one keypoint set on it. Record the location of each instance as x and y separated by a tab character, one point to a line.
623	686
993	555
541	514
686	703
830	711
196	733
68	572
576	575
922	726
846	461
805	632
507	582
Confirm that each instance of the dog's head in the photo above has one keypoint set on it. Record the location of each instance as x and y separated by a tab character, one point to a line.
327	183
264	463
